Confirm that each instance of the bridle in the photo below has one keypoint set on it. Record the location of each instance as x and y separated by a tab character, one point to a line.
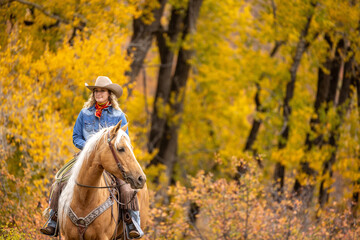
82	228
122	172
121	168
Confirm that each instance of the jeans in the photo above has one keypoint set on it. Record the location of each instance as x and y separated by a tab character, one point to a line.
52	223
135	217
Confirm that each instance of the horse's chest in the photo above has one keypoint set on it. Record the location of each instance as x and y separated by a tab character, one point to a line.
94	223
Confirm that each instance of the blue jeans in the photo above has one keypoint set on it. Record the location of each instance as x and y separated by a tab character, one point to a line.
135	217
52	223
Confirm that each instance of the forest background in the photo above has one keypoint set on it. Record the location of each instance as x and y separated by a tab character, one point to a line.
243	114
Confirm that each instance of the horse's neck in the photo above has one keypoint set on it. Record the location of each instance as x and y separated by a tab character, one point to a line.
90	174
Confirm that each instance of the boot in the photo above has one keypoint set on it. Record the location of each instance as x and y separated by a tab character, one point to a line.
132	221
50	227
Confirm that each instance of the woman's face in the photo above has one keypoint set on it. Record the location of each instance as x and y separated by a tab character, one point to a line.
101	95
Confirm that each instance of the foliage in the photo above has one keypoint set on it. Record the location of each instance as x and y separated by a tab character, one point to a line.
45	61
41	97
244	209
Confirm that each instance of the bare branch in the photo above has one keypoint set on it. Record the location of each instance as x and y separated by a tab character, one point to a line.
273	8
41	9
3	2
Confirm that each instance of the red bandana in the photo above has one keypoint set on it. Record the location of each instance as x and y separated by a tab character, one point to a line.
100	107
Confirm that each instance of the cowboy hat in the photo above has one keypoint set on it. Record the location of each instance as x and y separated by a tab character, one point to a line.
105	82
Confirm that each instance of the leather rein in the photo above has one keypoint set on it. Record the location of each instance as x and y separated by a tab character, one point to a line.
111	146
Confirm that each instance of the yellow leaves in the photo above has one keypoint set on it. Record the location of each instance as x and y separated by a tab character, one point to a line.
146	8
41	99
317	158
289	157
159	173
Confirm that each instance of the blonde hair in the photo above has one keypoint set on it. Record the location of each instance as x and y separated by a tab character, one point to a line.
112	98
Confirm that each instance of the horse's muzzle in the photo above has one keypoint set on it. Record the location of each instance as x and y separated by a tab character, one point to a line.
137	182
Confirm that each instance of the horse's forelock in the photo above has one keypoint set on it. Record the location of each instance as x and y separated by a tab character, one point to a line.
119	136
121	133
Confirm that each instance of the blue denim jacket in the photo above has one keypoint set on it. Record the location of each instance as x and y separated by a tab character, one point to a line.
88	124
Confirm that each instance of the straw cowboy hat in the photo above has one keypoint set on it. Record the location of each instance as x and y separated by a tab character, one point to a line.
105	82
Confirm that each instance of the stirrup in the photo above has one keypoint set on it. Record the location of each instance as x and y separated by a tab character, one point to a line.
56	232
133	229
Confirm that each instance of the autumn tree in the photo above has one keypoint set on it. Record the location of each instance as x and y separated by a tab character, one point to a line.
336	70
145	27
301	46
164	132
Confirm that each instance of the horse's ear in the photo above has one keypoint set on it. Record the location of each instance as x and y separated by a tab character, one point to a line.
116	128
125	127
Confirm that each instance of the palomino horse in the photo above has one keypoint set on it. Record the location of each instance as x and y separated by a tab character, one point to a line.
101	152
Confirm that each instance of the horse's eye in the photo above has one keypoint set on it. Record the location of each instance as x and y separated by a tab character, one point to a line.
121	149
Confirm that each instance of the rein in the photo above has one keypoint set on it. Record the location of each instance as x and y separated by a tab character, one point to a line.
111	146
110	186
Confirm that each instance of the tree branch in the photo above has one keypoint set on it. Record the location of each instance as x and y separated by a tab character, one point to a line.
41	9
3	2
273	6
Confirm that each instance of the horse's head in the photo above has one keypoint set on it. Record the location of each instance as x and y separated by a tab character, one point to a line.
117	157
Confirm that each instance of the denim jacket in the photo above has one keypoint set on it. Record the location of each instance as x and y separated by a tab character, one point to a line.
88	124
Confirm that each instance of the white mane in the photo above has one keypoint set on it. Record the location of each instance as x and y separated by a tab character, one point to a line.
67	193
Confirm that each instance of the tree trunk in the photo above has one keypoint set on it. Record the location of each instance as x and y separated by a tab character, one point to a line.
321	96
259	108
167	154
158	118
326	93
141	41
279	173
342	108
323	88
356	184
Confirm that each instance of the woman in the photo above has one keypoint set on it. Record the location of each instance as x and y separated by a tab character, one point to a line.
100	111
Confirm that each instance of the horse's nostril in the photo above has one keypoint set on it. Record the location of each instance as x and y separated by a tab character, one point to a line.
141	179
